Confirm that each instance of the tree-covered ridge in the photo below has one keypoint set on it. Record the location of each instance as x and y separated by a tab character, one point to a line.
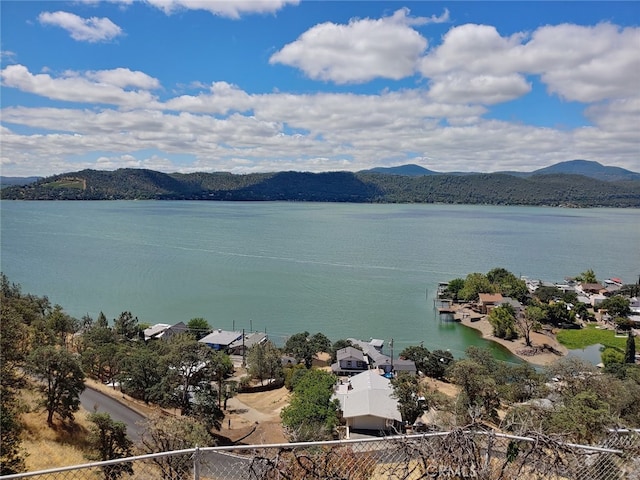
362	187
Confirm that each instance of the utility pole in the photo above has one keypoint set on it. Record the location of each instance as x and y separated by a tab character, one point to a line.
244	363
391	344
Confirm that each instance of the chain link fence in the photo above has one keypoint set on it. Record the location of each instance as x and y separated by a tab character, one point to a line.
458	454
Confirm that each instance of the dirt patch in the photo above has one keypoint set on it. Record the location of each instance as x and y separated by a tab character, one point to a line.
254	418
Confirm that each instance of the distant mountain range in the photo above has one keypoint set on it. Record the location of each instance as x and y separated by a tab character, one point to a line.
560	184
8	181
575	167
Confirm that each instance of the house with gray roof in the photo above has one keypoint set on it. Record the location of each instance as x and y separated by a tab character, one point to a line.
350	360
401	365
164	331
221	339
243	344
366	403
373	352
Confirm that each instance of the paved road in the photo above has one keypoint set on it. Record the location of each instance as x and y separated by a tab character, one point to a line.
222	464
93	400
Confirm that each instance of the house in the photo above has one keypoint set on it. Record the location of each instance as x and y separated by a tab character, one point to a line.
350	360
366	403
488	301
373	352
173	330
591	288
515	304
155	331
597	299
401	365
634	305
242	345
164	331
221	339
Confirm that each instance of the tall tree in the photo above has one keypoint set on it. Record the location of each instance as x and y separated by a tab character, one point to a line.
311	414
166	434
503	321
63	380
616	306
13	342
508	284
529	322
418	354
630	350
479	396
199	327
109	440
406	389
126	326
588	276
189	365
304	347
61	324
475	284
437	363
453	289
264	362
143	373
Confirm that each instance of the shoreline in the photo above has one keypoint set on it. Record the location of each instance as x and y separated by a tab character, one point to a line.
517	347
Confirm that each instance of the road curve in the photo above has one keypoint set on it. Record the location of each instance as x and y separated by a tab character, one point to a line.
92	400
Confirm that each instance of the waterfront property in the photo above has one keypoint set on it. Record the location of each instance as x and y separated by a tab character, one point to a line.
221	339
164	331
350	360
367	403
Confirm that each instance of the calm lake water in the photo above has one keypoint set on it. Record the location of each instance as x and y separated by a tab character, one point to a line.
347	270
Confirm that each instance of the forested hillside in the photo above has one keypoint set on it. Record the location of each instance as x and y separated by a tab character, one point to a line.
494	189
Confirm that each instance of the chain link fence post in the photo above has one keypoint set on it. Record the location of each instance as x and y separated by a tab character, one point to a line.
196	463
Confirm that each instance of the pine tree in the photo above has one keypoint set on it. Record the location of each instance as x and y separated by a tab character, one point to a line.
630	351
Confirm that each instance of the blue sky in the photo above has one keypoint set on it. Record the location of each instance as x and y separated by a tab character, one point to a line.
272	85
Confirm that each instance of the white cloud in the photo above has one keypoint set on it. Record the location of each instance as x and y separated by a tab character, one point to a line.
224	8
74	88
7	56
579	63
314	132
123	78
360	51
442	123
594	63
484	89
82	29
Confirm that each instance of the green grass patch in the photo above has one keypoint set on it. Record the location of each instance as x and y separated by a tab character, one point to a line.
590	335
67	183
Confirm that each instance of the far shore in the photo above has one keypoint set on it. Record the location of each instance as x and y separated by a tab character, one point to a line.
536	354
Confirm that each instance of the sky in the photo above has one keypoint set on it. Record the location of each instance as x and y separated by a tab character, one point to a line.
276	85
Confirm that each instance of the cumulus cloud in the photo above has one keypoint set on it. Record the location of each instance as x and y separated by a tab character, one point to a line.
593	64
360	51
442	124
225	8
74	87
315	132
82	29
123	78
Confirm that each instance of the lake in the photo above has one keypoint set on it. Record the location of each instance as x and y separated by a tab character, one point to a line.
347	270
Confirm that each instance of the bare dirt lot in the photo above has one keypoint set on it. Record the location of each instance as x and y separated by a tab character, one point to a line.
254	418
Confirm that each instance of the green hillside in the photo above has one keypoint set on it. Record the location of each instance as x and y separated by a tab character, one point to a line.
494	189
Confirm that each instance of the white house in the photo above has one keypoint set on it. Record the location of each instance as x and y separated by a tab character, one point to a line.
366	403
